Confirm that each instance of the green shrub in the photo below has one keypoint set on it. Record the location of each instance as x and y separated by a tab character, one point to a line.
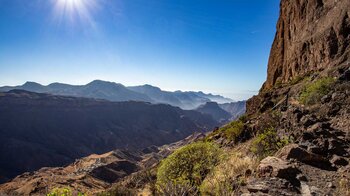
233	130
313	92
63	192
267	143
243	118
189	165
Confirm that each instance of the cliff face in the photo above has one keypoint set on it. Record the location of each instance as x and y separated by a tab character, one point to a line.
311	35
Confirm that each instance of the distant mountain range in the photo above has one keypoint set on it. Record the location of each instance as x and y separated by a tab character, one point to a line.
213	109
117	92
236	109
41	130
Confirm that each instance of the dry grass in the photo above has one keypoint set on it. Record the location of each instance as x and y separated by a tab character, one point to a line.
228	175
344	187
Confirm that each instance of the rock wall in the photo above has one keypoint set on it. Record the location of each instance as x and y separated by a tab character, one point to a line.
311	35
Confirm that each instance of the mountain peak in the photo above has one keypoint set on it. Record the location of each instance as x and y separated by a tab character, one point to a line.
31	84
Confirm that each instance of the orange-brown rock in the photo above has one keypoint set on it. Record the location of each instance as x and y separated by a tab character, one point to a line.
311	35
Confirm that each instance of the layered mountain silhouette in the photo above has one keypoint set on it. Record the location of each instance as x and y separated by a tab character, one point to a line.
236	109
213	109
117	92
40	130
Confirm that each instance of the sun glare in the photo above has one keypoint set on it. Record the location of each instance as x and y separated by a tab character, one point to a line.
75	10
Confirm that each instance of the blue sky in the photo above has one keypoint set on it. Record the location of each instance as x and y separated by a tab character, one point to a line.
217	46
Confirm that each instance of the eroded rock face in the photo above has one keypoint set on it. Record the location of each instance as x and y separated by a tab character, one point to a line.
311	35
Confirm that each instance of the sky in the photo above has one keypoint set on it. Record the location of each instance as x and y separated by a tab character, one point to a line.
214	46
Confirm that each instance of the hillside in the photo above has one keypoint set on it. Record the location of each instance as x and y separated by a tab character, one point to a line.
236	109
94	173
111	91
213	109
47	130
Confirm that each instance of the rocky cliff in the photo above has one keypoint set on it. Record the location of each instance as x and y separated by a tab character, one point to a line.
311	35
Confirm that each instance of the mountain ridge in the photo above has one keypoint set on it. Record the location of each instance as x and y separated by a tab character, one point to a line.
117	92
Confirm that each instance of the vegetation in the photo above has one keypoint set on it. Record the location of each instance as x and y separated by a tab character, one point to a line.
344	187
64	192
231	131
268	142
313	92
119	191
229	175
133	184
188	166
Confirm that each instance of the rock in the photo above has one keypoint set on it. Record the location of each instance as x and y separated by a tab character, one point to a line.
337	147
345	76
276	167
305	189
335	95
302	178
311	35
308	120
335	108
339	161
258	187
293	151
330	185
325	99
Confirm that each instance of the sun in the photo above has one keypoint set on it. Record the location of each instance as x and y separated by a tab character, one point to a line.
72	4
74	10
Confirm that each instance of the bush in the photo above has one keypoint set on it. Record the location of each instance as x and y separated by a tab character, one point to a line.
233	130
228	176
188	166
119	191
267	143
313	92
344	187
63	192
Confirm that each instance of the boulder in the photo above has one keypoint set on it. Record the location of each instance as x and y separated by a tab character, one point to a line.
276	167
339	161
293	151
258	187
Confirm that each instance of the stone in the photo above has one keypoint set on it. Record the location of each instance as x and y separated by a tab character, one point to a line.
258	187
308	120
302	178
276	167
330	185
337	147
345	76
293	151
334	110
325	99
339	161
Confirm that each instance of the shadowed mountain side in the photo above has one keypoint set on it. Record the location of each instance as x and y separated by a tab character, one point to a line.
236	109
47	130
213	109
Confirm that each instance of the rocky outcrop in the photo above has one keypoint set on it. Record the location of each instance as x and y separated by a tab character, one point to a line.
311	35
